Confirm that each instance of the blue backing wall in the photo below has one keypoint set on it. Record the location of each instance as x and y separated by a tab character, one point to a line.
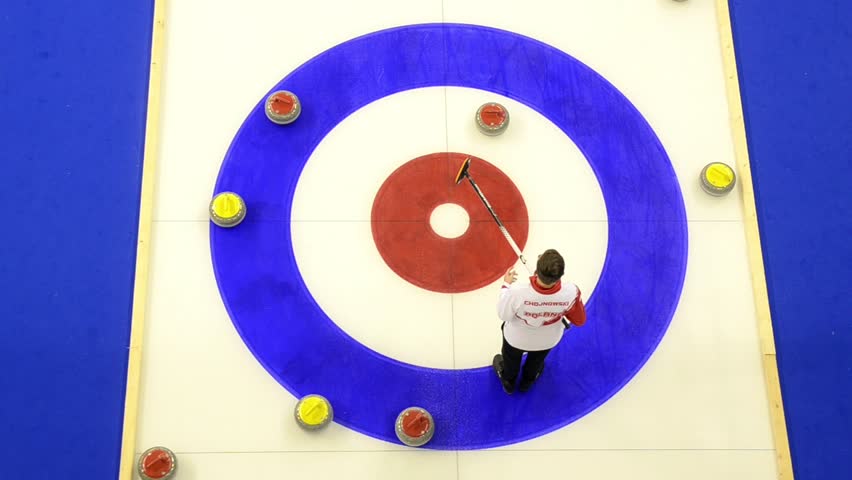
795	63
73	81
73	93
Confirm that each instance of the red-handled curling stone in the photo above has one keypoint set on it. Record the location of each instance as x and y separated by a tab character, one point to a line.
283	107
157	463
415	427
492	119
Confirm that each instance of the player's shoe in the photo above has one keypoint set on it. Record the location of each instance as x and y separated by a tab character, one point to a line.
527	385
498	368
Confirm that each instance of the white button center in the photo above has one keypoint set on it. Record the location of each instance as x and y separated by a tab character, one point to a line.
449	220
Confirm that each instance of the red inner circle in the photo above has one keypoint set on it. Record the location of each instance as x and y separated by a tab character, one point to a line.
157	464
411	248
282	104
493	115
415	424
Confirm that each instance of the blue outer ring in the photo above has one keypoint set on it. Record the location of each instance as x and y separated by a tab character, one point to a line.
307	353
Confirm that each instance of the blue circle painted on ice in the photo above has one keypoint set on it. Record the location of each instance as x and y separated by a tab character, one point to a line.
303	349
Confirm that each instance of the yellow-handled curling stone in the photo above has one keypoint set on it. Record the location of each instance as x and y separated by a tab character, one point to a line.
718	179
313	412
227	209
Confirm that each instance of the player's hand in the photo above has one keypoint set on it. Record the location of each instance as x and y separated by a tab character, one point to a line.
510	276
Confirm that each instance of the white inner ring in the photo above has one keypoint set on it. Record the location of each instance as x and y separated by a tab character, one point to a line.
331	224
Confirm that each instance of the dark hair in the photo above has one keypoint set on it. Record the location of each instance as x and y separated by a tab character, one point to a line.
550	266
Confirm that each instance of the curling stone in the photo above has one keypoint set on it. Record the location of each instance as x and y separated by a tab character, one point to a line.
718	179
313	412
492	119
283	107
157	463
227	209
415	427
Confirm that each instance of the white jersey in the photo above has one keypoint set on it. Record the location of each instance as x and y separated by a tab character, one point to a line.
532	315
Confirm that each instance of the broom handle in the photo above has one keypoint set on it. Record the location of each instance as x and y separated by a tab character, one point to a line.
505	232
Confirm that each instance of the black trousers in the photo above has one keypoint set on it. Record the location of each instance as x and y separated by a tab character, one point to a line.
512	363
